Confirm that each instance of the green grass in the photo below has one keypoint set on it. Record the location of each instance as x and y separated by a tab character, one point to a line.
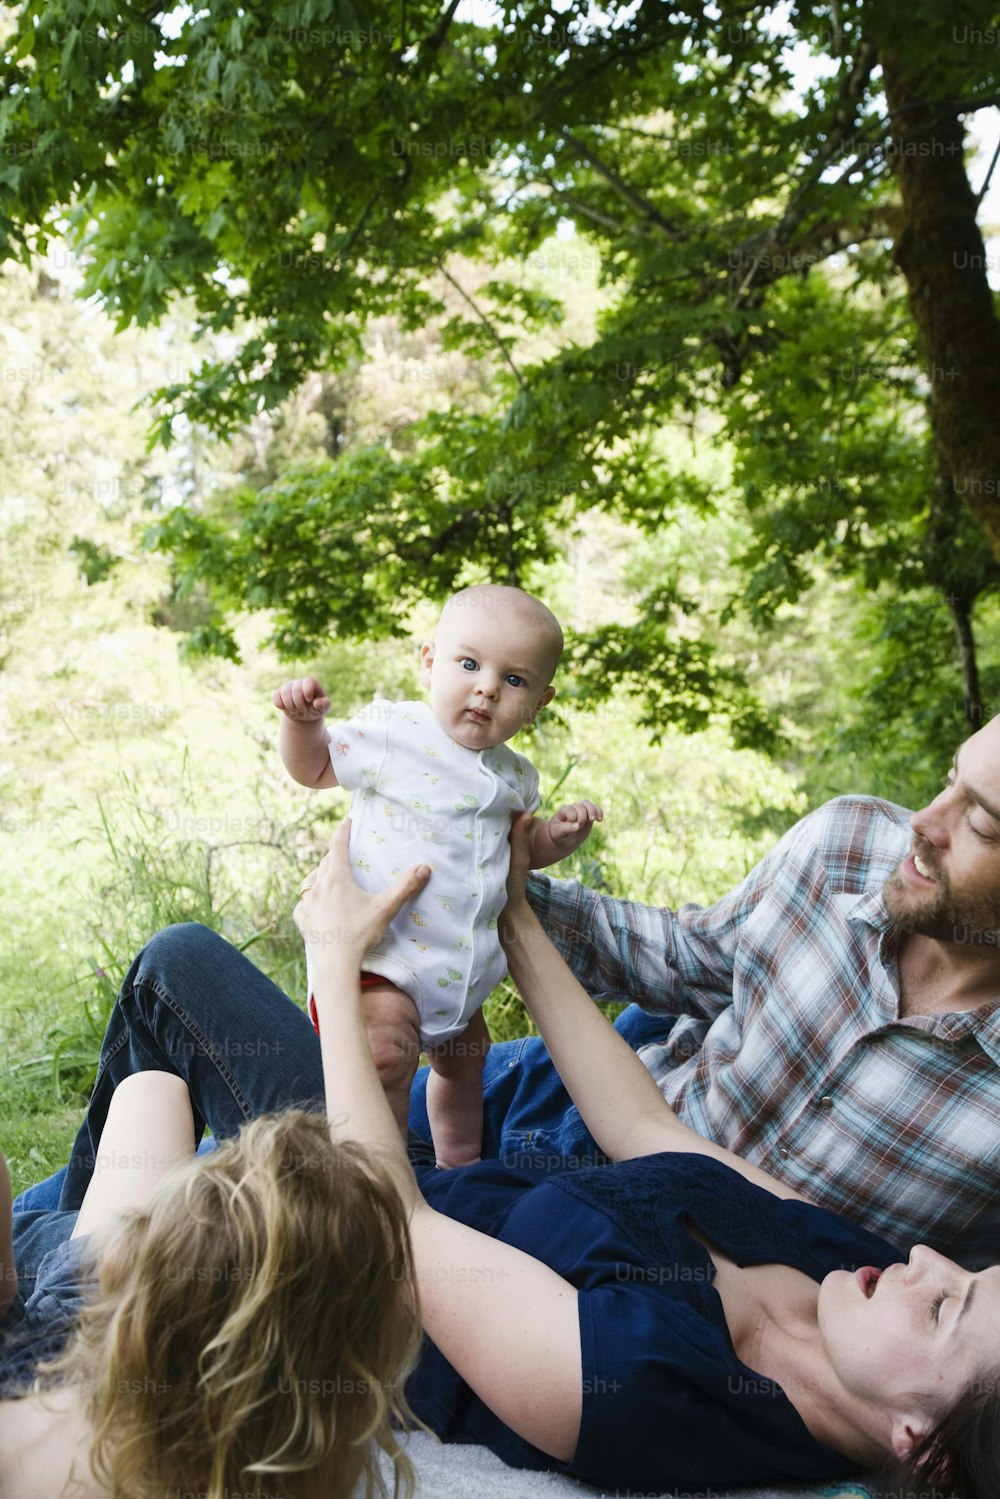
60	975
37	1140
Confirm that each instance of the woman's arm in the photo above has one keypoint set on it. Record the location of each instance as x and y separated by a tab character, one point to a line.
505	1321
618	1099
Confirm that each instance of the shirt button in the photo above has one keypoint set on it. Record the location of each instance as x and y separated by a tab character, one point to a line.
826	1102
784	1152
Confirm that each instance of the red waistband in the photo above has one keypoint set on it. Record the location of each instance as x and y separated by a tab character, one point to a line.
368	981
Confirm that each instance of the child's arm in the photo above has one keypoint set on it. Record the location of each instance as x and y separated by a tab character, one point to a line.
564	832
302	742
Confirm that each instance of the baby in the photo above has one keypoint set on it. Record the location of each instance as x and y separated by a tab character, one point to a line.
434	783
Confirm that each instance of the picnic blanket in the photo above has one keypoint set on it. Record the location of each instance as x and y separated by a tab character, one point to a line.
467	1472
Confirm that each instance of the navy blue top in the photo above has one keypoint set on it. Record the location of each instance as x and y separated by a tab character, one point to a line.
666	1402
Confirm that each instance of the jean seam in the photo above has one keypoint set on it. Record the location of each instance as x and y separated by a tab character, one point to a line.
108	1054
501	1076
201	1040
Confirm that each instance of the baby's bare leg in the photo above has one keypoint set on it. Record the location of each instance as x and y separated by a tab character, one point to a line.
393	1028
455	1094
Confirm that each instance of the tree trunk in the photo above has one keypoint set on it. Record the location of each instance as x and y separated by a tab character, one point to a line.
961	613
958	575
941	254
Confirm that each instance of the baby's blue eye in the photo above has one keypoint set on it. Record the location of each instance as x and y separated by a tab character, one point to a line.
468	664
514	680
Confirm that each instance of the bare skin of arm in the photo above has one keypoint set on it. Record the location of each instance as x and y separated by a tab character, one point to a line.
562	834
149	1129
618	1099
302	741
506	1322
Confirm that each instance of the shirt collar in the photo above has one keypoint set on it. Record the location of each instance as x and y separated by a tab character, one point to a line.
868	907
982	1024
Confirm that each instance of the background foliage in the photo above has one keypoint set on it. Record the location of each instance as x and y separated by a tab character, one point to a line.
311	315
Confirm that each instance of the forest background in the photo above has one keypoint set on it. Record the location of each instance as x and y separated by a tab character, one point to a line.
311	315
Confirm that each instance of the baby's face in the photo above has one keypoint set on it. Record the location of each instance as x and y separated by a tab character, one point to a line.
488	671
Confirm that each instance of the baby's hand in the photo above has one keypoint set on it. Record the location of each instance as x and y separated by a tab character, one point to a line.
303	700
553	840
570	826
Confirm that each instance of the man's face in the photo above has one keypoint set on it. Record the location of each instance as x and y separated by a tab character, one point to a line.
948	887
488	673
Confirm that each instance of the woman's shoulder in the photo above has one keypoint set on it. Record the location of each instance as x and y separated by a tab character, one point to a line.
44	1439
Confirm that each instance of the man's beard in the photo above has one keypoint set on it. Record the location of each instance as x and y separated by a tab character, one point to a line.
939	913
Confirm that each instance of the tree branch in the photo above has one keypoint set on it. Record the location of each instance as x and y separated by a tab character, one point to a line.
604	220
852	86
487	324
347	247
434	42
986	181
769	263
628	194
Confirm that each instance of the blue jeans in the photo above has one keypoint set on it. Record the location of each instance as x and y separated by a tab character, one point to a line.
192	1005
527	1112
50	1294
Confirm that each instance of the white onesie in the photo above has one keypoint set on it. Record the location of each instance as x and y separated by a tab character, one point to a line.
420	798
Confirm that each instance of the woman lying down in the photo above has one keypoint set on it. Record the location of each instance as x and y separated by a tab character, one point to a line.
675	1319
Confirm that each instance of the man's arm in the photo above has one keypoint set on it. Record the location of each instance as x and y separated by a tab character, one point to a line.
670	962
302	739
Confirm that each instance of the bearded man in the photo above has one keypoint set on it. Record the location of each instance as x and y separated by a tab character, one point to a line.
834	1019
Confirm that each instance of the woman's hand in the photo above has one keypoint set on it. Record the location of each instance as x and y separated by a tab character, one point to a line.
517	915
335	916
520	859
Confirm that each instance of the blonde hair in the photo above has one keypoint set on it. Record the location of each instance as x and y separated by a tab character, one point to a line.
252	1326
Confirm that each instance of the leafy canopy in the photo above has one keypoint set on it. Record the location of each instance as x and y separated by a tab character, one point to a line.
295	170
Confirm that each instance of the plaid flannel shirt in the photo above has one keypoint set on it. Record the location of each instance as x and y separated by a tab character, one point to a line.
791	1050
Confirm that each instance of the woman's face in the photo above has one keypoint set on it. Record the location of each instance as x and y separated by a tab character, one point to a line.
921	1332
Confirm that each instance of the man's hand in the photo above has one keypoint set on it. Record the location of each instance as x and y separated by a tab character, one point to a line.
303	701
564	832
